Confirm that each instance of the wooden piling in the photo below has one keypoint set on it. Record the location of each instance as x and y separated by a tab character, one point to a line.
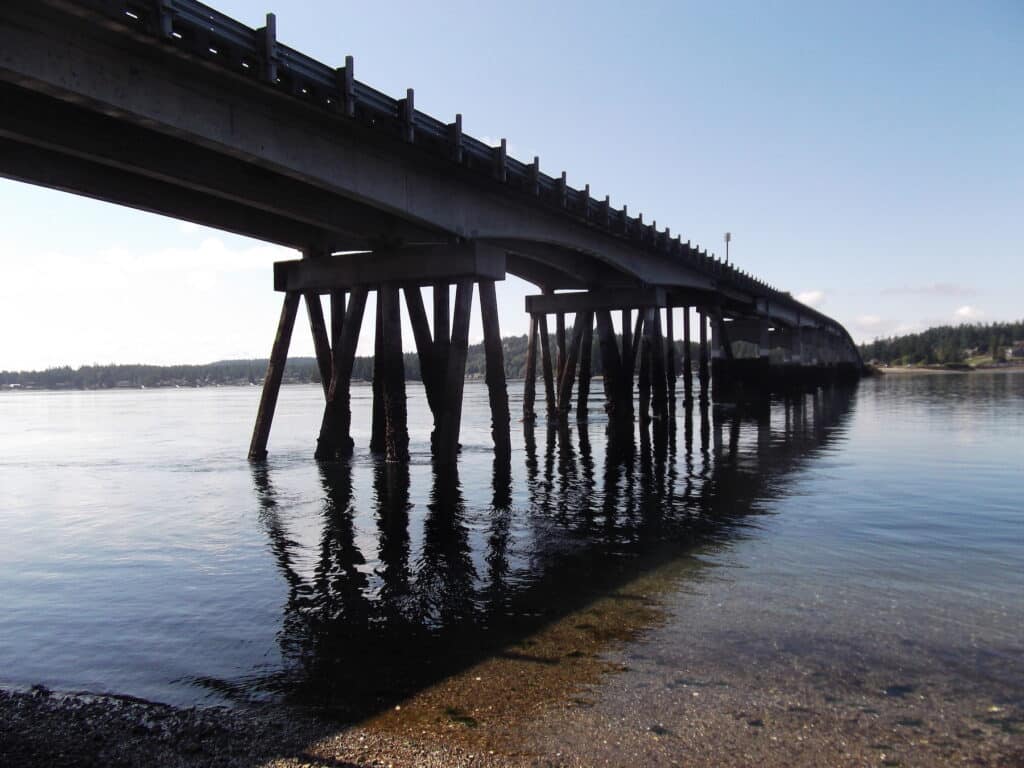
559	346
637	330
569	372
455	377
671	362
396	428
442	332
659	380
335	430
272	381
586	351
611	364
545	361
497	391
627	340
337	321
702	373
530	384
627	368
321	344
377	425
424	348
644	377
687	358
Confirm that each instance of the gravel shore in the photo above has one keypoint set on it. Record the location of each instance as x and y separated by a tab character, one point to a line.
41	728
602	686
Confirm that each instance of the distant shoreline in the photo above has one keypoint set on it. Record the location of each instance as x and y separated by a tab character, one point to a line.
217	385
937	370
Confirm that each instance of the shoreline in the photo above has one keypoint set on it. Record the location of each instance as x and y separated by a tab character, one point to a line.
740	719
911	369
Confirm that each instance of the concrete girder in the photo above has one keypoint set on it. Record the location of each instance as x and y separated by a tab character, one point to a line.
168	92
406	267
44	168
36	120
578	270
540	274
594	301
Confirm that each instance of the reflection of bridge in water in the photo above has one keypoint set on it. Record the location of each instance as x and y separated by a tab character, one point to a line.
172	107
374	616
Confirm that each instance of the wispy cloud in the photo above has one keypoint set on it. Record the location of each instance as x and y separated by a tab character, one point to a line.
968	313
813	298
931	289
868	322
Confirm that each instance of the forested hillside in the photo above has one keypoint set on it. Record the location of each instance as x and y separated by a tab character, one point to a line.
946	344
298	370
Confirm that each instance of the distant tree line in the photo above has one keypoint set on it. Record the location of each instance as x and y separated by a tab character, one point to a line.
240	372
946	344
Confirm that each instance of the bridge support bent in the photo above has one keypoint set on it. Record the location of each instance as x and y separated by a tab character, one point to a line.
442	355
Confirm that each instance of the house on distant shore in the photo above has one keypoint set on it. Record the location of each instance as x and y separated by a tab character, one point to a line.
1015	352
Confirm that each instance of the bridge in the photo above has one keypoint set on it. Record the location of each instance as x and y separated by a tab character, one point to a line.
171	107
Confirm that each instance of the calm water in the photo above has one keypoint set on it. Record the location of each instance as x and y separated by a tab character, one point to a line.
141	553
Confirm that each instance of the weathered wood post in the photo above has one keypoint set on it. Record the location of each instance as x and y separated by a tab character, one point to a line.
569	373
335	430
559	346
272	381
455	377
545	360
703	373
497	390
337	321
611	364
671	365
424	348
586	350
442	332
530	384
658	375
628	367
377	442
396	429
687	358
644	383
627	339
637	330
321	345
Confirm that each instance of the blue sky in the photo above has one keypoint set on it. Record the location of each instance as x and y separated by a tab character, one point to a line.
867	156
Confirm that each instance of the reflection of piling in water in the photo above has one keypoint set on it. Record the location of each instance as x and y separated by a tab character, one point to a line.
391	484
445	573
501	472
339	581
359	639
